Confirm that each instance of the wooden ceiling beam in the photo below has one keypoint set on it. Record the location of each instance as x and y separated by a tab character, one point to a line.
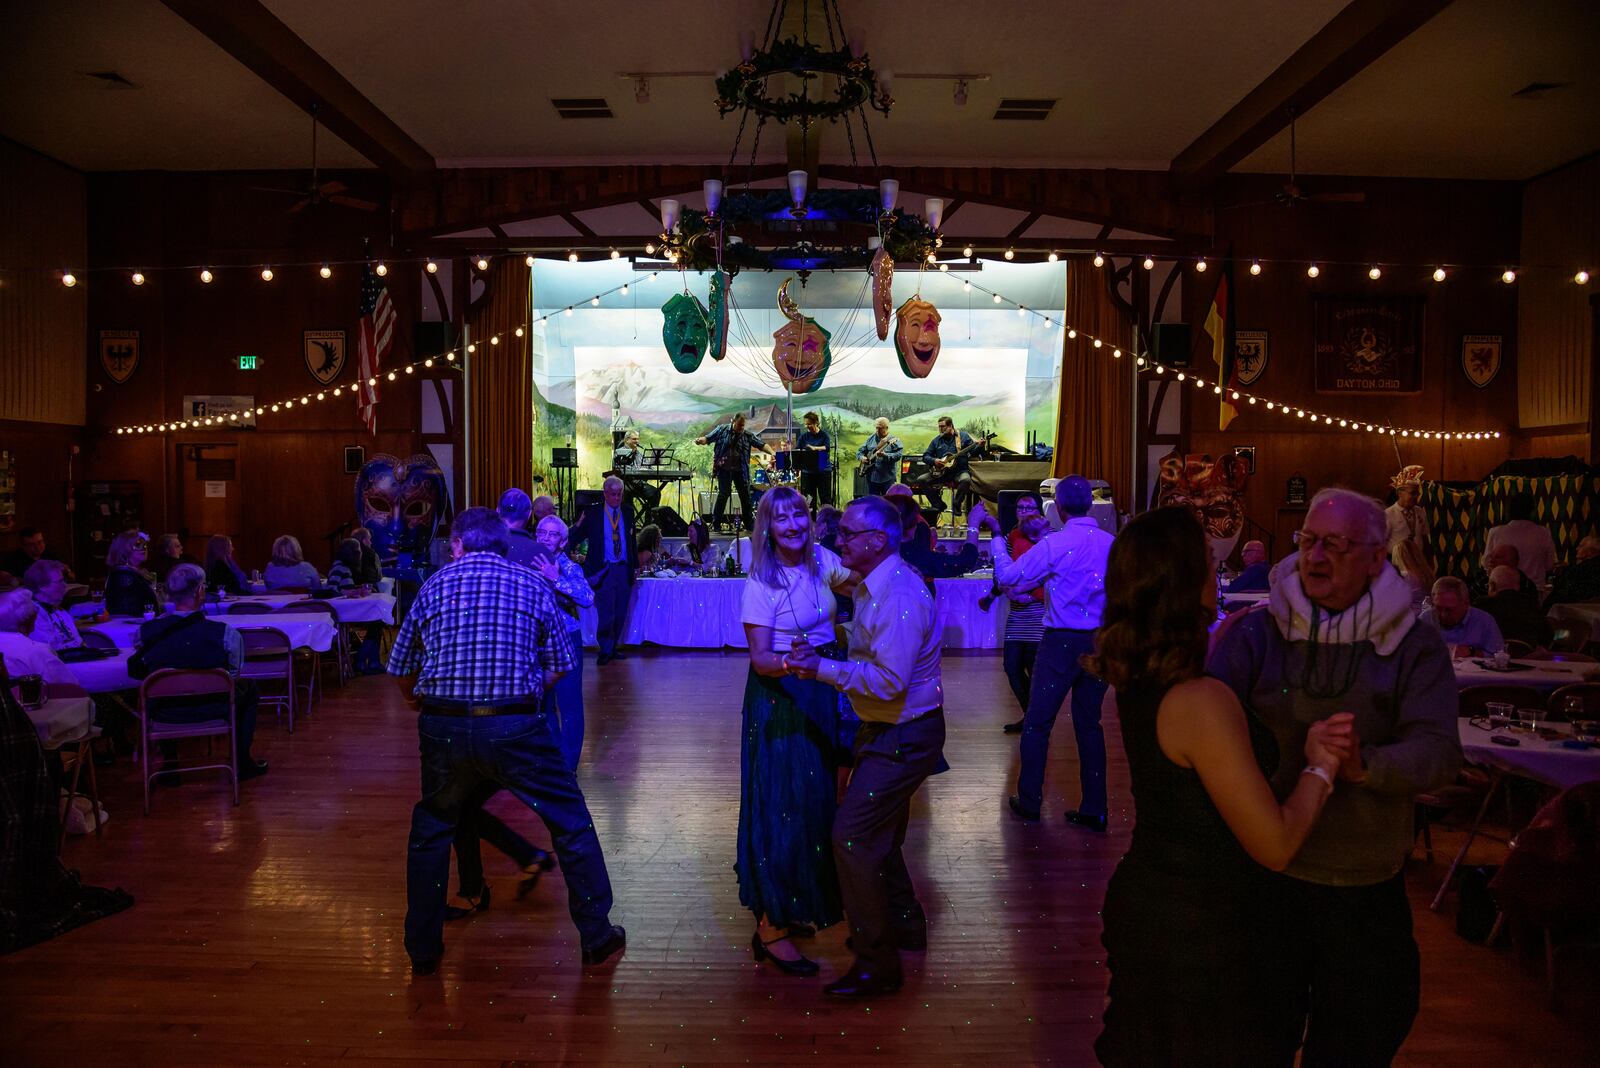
1347	45
254	36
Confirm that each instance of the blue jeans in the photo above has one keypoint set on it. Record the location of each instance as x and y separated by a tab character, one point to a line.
563	703
1055	671
460	754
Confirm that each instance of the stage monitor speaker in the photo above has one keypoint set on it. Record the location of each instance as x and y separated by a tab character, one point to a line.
565	459
670	522
1008	507
582	499
354	457
1170	344
433	339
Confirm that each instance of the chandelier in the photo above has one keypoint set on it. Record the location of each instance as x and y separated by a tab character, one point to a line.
795	79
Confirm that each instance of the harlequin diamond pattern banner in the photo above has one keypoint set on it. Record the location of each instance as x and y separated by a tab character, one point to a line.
1461	519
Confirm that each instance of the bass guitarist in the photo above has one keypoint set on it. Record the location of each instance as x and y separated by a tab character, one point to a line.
880	458
946	456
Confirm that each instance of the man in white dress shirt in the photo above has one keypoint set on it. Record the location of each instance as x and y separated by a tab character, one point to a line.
1536	549
1071	566
893	681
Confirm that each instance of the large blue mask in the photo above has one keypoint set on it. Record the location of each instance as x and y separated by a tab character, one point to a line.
400	502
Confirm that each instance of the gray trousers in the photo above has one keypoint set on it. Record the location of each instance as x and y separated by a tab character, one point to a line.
611	604
892	760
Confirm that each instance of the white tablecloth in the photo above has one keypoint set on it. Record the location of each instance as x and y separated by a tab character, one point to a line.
62	720
1545	674
703	613
373	608
1587	611
105	676
1532	758
307	631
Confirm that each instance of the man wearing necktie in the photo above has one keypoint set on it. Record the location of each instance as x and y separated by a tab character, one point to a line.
606	533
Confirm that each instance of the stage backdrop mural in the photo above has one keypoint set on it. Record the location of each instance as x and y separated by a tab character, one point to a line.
605	368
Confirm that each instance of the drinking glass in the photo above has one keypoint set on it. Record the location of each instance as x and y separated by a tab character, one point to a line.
1501	710
1586	730
1572	708
1529	718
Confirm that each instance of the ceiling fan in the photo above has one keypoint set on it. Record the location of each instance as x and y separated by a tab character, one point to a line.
1291	194
318	193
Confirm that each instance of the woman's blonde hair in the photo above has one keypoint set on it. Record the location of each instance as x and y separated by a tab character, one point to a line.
1417	569
286	551
764	562
122	546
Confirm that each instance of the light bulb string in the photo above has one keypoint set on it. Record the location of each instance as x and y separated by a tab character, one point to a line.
1142	361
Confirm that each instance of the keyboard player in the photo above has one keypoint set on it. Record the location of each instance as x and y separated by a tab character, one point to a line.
626	462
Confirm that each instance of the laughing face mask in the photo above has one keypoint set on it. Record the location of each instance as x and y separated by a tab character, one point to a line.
684	331
800	352
400	502
916	337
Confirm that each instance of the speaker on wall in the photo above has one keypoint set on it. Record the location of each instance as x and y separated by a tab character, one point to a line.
354	457
1169	344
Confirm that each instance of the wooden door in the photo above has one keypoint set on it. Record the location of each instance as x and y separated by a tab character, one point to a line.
208	494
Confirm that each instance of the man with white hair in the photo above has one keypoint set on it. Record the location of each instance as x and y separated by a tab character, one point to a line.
606	533
880	458
893	681
1515	611
1253	576
1467	630
21	654
1581	581
1338	635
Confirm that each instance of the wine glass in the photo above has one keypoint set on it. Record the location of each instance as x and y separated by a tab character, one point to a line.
1572	708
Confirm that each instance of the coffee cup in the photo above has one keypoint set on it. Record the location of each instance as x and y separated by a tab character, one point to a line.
1502	660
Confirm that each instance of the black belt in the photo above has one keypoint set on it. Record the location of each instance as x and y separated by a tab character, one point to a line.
461	708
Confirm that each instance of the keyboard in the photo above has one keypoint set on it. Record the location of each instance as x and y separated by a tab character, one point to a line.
660	474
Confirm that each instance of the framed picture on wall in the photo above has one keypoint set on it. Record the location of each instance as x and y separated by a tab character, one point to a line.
1250	355
324	354
1480	358
1367	344
1247	453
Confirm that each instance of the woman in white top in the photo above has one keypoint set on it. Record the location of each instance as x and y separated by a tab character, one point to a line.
789	767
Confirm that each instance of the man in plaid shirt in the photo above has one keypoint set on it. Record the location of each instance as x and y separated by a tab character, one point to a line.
480	644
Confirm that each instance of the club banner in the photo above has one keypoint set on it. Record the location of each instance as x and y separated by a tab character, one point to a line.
1366	345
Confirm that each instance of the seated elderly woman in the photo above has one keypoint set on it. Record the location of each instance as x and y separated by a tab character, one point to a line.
222	570
129	589
21	654
288	569
186	638
47	581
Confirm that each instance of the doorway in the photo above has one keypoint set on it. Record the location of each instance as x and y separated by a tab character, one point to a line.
208	495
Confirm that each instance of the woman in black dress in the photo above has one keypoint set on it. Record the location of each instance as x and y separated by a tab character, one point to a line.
1188	926
129	591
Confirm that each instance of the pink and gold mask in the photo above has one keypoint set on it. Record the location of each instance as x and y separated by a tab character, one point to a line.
916	337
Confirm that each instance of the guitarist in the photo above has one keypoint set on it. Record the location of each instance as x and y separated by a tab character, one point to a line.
880	458
731	445
946	457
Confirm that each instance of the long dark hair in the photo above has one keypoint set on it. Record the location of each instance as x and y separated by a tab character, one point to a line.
1154	629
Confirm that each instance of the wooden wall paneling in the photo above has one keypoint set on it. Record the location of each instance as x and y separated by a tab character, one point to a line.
1560	226
43	455
43	230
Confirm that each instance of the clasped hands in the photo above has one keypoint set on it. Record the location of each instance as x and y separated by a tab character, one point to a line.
1333	745
801	660
979	518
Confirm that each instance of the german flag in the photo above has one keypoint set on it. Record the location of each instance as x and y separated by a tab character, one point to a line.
1219	324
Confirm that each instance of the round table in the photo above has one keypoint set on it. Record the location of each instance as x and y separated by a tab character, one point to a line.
107	675
373	608
1540	674
310	630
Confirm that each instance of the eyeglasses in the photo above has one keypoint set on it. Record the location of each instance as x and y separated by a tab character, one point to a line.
1333	544
845	533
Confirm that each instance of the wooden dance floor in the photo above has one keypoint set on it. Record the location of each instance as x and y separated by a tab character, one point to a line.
271	933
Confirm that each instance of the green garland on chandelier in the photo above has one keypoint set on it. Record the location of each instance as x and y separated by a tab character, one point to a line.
745	86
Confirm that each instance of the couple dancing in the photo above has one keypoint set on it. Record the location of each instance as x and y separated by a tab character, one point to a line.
807	858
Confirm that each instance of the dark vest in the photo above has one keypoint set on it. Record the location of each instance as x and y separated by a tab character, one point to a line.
197	645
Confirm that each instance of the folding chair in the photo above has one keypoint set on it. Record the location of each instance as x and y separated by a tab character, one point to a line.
176	682
341	642
250	608
268	657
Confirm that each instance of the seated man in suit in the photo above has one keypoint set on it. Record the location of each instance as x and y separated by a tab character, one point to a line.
606	534
1581	581
185	638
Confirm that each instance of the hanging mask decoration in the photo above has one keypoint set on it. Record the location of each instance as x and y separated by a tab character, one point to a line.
401	502
718	347
684	331
800	351
916	337
882	271
1214	491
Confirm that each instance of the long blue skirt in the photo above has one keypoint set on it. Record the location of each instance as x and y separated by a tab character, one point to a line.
787	793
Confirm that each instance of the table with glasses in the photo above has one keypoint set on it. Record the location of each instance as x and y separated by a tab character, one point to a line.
1549	756
310	630
373	608
1545	675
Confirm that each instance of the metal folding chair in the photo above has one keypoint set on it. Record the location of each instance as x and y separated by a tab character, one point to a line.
175	682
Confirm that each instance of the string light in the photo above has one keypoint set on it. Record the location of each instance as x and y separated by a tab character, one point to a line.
471	348
1255	266
1149	263
326	271
615	254
1072	331
1200	265
966	251
138	278
594	302
206	275
1011	254
381	269
494	340
528	260
483	264
649	248
572	257
1438	274
411	369
1582	278
432	268
1374	272
519	331
997	298
1313	270
1508	276
1052	257
1099	260
266	274
944	268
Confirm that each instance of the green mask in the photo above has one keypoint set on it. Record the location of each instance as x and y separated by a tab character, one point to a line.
719	316
684	331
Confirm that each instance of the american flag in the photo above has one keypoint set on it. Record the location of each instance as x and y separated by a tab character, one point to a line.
377	339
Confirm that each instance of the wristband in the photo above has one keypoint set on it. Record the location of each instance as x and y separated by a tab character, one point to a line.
1320	773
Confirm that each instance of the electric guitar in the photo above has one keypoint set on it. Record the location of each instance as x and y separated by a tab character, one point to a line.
868	462
982	441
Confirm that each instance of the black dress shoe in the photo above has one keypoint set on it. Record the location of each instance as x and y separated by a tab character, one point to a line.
860	983
252	769
1021	811
798	966
541	863
602	660
1086	821
613	943
1013	728
420	968
619	655
456	912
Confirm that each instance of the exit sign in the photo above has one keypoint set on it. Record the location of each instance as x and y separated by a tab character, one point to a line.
247	363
